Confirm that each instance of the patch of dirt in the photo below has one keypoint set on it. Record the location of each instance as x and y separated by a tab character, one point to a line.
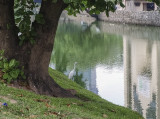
20	84
8	99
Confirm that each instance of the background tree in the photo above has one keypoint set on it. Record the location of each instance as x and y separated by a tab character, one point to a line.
34	45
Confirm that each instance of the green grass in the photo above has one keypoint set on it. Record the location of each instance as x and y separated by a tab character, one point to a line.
89	106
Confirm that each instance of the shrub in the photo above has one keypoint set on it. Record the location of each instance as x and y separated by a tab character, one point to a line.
10	68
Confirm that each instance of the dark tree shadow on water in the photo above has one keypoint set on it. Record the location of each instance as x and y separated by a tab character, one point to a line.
151	110
78	79
137	102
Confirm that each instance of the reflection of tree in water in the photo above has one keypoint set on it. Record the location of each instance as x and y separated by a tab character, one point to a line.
78	79
151	110
60	60
87	48
137	103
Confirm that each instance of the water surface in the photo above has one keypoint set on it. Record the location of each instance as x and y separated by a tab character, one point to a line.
121	63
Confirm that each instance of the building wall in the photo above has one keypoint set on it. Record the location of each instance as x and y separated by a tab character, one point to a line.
133	17
134	5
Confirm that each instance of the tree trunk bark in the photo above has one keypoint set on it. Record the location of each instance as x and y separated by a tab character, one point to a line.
7	27
39	78
36	58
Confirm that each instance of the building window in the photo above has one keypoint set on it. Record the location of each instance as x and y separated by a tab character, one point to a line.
150	6
137	3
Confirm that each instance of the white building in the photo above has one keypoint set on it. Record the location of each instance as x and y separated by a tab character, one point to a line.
139	5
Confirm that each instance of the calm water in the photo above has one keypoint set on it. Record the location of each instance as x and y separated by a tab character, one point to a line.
121	63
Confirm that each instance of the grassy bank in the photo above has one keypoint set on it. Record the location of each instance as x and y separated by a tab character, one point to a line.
25	104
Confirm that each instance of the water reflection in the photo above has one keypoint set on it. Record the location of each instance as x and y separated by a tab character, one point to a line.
118	62
141	51
88	48
94	51
151	110
137	103
78	79
144	74
142	69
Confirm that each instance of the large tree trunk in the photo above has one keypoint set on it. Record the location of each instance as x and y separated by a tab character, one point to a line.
39	79
7	27
35	58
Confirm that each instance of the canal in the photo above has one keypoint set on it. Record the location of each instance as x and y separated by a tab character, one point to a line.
118	62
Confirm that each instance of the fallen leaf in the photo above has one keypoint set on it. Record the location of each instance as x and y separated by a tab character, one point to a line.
80	105
111	110
68	105
45	113
74	103
27	108
33	116
105	116
21	95
47	105
41	100
55	113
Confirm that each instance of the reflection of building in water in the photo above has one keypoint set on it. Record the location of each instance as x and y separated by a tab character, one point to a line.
142	76
89	76
141	47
